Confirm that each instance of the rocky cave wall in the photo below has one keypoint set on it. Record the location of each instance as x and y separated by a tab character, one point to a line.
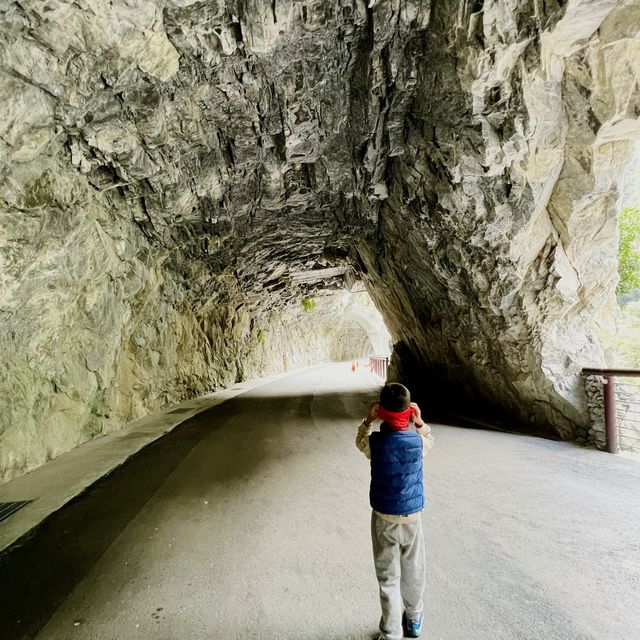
177	175
499	229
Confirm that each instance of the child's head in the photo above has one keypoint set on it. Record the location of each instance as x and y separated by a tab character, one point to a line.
395	397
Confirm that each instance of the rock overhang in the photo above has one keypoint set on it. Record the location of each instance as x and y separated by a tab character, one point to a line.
185	164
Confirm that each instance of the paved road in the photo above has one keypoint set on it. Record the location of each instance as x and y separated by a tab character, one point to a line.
256	526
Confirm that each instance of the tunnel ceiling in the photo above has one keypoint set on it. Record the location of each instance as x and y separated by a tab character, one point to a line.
178	175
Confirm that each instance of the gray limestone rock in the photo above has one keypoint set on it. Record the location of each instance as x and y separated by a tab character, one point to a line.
169	166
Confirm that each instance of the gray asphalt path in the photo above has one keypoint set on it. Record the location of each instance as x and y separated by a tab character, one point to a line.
261	530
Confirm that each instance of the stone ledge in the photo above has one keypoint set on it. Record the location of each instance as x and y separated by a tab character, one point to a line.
57	482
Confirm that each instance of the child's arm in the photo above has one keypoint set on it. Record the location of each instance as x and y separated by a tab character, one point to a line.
422	428
364	431
427	438
362	438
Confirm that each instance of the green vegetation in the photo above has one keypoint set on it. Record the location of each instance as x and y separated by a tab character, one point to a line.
629	251
628	333
628	336
308	304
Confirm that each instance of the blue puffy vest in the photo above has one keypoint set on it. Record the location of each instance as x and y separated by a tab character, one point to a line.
396	472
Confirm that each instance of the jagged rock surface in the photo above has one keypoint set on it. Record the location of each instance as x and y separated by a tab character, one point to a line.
170	166
499	228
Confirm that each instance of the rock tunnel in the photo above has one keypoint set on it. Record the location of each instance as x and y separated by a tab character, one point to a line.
179	176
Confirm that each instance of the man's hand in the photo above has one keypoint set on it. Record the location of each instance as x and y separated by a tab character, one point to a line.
373	413
416	414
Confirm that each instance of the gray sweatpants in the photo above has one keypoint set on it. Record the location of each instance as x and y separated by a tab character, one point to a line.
398	555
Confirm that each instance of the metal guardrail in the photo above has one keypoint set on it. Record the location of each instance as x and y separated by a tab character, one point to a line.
630	373
379	365
621	416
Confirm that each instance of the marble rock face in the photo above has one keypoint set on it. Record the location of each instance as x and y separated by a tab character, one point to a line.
177	175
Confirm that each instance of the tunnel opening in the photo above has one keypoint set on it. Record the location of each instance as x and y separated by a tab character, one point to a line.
324	326
168	207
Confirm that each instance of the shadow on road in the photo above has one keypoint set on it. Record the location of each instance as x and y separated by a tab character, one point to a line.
42	568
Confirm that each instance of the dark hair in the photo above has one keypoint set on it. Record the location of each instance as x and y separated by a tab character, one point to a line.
395	397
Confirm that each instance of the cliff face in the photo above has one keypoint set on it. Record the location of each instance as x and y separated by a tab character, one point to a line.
503	199
174	170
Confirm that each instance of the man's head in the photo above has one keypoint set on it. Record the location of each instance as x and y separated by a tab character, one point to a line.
395	397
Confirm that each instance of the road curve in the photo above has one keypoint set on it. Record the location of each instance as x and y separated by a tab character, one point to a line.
251	521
